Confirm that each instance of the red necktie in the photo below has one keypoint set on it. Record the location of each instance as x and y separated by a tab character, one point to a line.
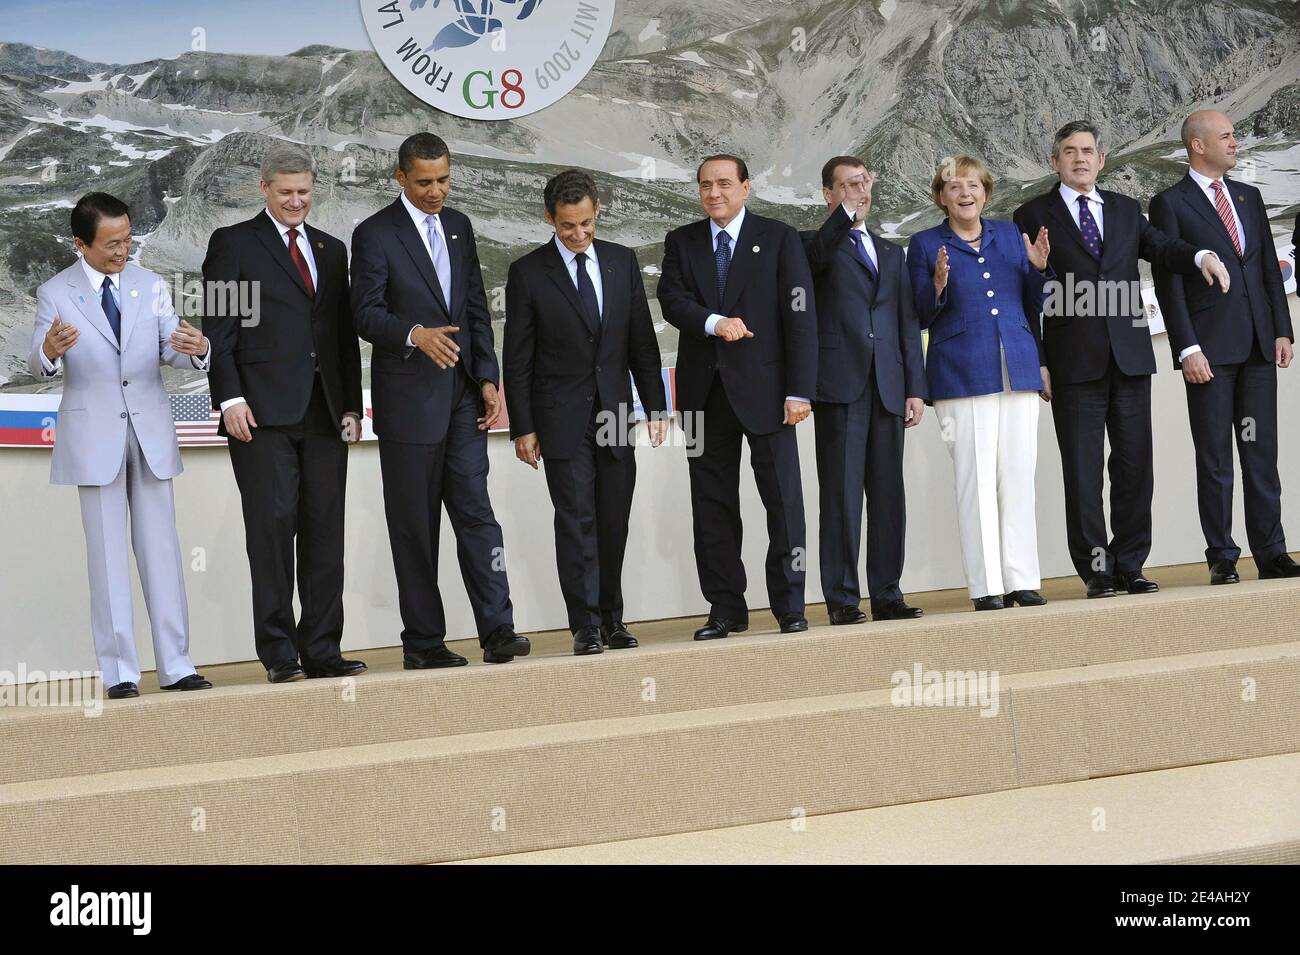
1225	213
300	261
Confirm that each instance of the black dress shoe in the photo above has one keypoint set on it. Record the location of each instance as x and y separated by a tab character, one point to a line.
897	610
503	645
285	673
1224	572
1026	598
434	659
618	637
1103	585
844	615
1136	583
792	622
1280	566
715	628
122	691
586	641
333	668
192	682
991	602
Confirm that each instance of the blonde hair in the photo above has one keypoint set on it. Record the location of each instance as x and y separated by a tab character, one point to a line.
953	166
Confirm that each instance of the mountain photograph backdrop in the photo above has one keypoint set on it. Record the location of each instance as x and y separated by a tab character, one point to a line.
901	83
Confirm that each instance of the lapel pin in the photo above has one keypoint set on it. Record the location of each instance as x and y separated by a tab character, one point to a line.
455	237
320	245
756	248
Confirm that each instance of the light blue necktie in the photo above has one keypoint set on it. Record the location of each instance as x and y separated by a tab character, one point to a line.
441	264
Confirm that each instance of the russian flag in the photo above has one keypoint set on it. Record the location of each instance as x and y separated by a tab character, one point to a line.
28	421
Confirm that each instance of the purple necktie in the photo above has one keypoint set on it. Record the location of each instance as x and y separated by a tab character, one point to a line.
1088	226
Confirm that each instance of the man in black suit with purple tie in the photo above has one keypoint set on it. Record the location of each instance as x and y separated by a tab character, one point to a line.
1229	347
738	288
578	332
1099	354
870	387
417	296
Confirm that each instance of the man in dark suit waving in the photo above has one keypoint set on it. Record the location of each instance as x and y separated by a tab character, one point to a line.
287	380
1100	358
1228	346
577	323
870	386
737	286
417	294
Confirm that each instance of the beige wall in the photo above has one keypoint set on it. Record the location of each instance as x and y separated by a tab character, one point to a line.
45	593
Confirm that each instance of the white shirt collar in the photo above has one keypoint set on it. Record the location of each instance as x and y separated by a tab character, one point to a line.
418	216
569	255
96	277
284	229
733	229
1202	180
1071	196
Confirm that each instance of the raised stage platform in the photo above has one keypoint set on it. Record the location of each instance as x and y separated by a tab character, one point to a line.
1154	729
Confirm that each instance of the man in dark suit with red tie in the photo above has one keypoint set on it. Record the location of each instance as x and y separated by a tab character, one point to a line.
1098	352
1229	347
417	294
578	332
287	380
738	287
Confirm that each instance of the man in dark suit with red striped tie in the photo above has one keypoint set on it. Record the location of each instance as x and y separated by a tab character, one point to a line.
1229	347
288	383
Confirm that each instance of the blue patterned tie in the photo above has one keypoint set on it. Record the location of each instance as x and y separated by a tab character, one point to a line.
586	290
110	308
860	245
722	262
1088	226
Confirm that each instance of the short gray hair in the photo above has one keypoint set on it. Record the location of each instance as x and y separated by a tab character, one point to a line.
287	157
1069	129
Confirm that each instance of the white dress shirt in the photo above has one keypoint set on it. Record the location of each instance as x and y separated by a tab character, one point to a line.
305	248
419	217
97	280
867	242
593	269
732	229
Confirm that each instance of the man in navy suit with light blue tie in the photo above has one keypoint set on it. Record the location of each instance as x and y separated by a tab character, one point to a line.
1229	347
870	387
417	296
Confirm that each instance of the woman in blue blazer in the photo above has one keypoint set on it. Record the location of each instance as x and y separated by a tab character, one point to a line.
978	286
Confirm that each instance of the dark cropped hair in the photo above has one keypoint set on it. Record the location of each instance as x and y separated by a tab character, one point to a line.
568	188
92	207
741	169
420	146
1069	129
828	170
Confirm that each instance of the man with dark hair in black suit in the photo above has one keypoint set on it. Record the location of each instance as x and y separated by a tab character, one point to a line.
870	387
1100	356
288	384
577	323
417	294
738	288
1228	346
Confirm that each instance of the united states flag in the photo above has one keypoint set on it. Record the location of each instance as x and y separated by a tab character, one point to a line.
196	422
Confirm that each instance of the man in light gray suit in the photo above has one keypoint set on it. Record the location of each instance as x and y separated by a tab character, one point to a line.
106	324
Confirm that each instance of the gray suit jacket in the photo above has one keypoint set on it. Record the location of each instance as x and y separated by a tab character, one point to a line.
104	386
